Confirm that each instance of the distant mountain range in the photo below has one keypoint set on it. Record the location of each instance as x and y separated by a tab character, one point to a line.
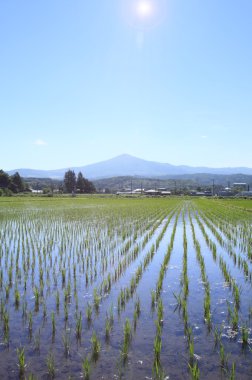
127	165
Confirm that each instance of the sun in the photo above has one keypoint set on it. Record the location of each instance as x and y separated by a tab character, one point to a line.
144	14
144	8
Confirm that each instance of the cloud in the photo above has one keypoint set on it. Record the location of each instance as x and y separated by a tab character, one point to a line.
204	137
40	142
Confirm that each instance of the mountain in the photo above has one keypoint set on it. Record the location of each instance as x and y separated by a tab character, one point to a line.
126	165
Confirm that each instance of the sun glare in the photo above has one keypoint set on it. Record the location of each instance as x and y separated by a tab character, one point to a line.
144	14
144	8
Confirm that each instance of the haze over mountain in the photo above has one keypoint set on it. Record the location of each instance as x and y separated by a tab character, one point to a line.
127	165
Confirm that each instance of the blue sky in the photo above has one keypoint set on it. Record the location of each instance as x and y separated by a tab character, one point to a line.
165	80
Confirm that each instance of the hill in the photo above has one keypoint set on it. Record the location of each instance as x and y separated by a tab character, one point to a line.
188	181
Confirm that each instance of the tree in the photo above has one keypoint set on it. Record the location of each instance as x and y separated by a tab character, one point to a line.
4	179
84	185
16	185
80	183
11	184
70	181
89	186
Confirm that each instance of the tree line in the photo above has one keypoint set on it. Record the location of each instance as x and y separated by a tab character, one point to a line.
11	183
80	184
71	184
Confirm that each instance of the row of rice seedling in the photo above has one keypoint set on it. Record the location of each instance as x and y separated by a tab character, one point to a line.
182	307
233	312
235	226
205	282
239	261
66	282
127	293
236	288
67	265
226	272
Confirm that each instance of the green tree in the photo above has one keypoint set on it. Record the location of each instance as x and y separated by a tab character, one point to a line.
70	181
89	186
80	183
84	185
4	179
16	183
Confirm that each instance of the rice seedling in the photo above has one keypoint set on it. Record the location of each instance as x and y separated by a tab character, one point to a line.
30	323
1	308
223	357
158	372
217	336
65	312
89	312
37	341
17	298
63	277
50	363
108	327
44	311
6	321
96	300
57	301
232	372
126	339
234	318
21	361
31	377
36	295
96	346
53	324
236	293
160	311
157	348
111	315
86	369
191	350
178	299
66	343
137	311
245	335
194	371
10	276
78	327
7	292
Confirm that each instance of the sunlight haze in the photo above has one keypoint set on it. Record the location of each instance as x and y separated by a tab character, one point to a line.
164	80
144	8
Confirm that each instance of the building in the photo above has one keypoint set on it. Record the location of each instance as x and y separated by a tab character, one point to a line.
244	194
242	186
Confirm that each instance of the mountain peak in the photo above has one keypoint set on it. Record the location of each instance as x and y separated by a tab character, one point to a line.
125	156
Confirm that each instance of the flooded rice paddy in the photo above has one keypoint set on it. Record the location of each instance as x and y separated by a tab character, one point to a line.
98	288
